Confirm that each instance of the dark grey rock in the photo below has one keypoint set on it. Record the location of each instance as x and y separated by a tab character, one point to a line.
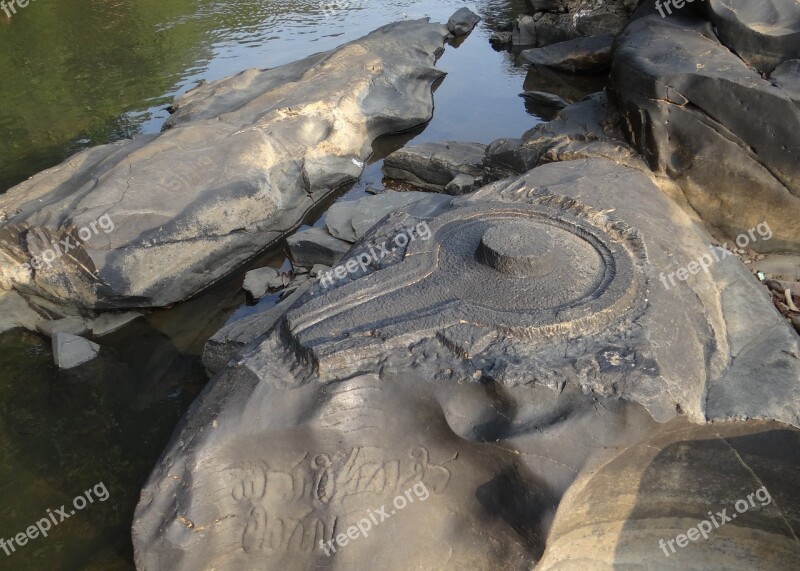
70	351
763	33
545	99
432	166
457	372
232	338
600	22
787	78
586	129
501	39
549	5
689	105
258	282
581	55
242	162
462	22
316	246
350	220
524	33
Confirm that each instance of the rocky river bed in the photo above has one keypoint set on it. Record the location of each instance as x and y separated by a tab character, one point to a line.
464	274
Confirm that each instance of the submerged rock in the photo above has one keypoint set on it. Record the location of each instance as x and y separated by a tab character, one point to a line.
70	351
151	221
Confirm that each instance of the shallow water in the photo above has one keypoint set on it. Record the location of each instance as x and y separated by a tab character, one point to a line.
78	73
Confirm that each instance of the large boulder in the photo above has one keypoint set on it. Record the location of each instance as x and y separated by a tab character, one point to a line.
700	115
535	335
151	221
654	507
764	33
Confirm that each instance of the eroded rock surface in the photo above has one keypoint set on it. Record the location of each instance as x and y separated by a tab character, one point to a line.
489	366
764	33
699	114
243	160
630	508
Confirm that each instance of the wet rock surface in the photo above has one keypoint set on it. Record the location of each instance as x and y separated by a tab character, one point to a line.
462	22
581	55
242	161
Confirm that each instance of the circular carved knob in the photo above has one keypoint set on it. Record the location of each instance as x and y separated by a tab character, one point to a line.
518	248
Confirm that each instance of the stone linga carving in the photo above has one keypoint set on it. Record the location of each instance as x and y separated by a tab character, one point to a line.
431	410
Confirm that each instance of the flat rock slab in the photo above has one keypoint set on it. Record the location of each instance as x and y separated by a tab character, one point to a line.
72	325
544	98
70	351
151	221
350	220
688	106
433	166
108	323
581	55
316	246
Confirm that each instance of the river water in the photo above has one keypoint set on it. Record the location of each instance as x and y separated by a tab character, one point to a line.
78	73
